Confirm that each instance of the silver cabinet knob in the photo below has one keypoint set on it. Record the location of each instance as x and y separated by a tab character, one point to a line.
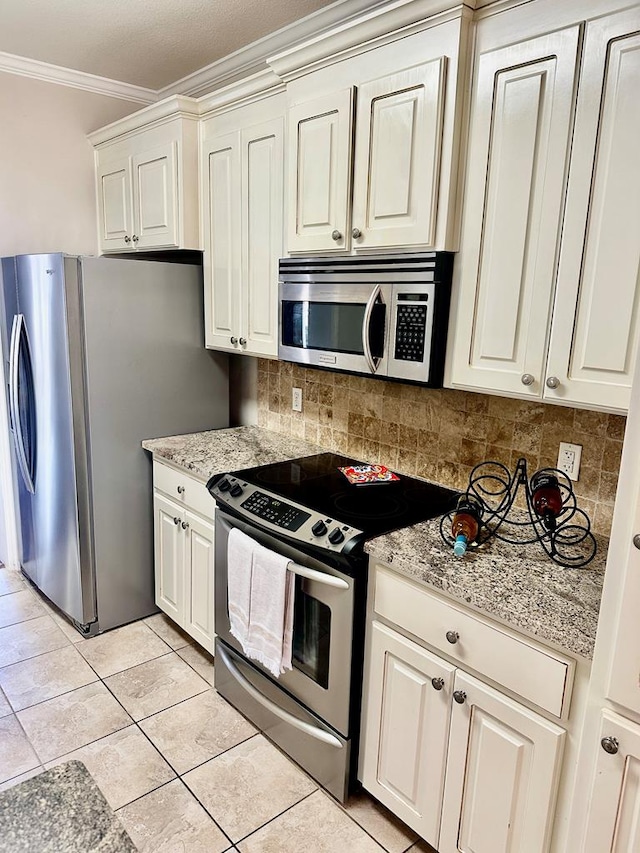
460	696
636	540
553	382
185	524
336	235
135	238
527	379
437	683
356	233
181	490
234	341
127	239
176	520
610	745
243	342
452	637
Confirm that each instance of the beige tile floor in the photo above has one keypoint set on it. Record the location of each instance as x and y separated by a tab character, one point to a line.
184	770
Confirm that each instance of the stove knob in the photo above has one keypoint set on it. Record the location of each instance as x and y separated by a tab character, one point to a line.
319	528
236	490
224	485
336	536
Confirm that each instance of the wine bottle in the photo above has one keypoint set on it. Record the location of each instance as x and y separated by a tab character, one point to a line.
546	498
466	523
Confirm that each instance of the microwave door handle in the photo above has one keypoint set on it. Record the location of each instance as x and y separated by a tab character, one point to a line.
301	725
372	362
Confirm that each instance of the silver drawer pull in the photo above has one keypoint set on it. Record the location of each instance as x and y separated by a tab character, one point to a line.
610	745
437	683
301	725
452	637
460	696
181	490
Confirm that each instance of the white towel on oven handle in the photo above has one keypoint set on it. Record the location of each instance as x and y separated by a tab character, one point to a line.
261	599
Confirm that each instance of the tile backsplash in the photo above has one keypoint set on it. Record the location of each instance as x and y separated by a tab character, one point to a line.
441	434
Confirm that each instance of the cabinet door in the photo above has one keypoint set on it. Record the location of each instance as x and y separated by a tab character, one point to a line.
319	170
502	774
115	205
169	557
397	157
262	201
405	729
595	329
155	197
198	615
222	252
519	138
613	824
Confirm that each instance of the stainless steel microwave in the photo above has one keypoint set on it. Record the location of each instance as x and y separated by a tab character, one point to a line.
381	316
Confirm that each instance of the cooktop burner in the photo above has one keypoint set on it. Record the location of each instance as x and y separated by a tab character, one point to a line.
315	484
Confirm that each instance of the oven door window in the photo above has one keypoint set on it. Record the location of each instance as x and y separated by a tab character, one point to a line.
331	326
311	636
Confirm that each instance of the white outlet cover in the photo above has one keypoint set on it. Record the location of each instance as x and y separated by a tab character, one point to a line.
569	456
296	399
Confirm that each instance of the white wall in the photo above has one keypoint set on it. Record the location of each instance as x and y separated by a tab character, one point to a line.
47	195
47	200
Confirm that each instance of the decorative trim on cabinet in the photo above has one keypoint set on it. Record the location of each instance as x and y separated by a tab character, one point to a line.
261	85
23	66
379	27
176	106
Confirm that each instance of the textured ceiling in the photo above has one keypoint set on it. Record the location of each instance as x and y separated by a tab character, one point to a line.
149	43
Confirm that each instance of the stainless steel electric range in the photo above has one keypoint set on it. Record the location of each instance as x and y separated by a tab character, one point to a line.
307	510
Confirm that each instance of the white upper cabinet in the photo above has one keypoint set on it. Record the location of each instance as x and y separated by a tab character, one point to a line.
546	289
594	337
319	176
146	174
517	153
242	183
382	178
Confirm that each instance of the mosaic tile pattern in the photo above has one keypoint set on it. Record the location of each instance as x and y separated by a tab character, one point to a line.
441	434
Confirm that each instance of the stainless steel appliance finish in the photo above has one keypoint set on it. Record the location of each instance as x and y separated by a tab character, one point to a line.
104	353
307	510
381	316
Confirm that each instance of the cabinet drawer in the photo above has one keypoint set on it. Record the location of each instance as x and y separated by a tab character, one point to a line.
537	674
183	489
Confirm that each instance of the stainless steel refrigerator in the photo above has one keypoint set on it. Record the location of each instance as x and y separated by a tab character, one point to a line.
100	354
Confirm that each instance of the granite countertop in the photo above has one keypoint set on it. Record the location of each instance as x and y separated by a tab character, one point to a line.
516	584
217	451
60	810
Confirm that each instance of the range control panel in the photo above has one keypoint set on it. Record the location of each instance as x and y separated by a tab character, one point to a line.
286	517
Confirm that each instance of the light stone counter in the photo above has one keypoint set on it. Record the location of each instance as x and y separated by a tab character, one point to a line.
515	584
203	454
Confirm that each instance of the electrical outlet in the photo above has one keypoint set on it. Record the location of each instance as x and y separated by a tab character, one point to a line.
569	459
296	399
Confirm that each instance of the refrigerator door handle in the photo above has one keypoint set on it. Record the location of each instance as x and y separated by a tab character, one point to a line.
18	334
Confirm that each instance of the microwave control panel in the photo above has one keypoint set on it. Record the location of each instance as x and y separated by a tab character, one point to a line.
411	324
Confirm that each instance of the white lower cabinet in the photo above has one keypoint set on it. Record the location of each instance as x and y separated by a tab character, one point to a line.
465	766
183	550
613	823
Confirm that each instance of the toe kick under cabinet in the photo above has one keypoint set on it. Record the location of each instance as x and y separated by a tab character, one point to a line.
183	516
464	764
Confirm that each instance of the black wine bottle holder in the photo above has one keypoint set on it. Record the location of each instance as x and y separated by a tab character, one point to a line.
570	544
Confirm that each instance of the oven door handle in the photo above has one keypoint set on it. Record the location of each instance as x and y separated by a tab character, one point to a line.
372	362
319	577
307	728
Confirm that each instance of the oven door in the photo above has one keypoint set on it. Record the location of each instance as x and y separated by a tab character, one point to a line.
340	325
322	625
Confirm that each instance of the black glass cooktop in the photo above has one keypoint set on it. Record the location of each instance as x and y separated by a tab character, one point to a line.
377	508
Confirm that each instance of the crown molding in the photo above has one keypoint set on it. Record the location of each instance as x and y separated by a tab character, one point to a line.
380	24
253	58
37	70
177	106
245	91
